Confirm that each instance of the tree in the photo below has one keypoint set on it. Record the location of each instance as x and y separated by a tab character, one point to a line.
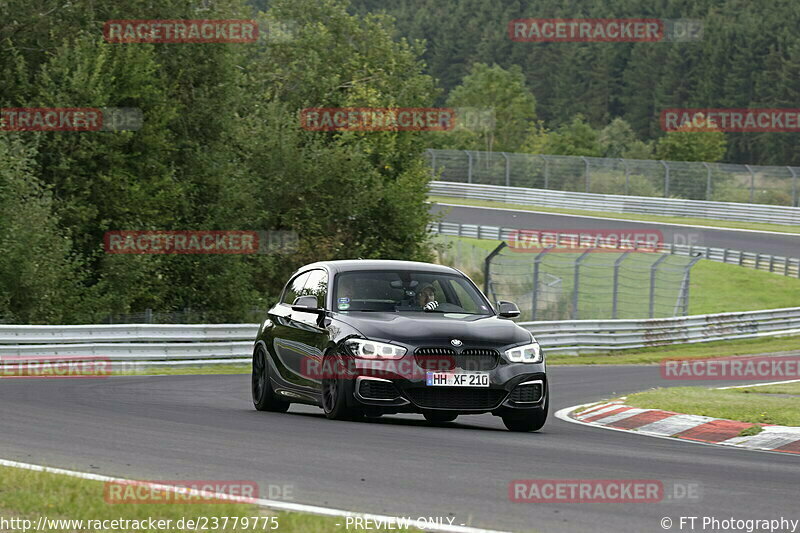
619	140
505	94
576	138
686	144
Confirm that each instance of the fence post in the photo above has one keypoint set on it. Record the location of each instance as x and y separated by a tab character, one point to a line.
708	180
686	285
615	290
469	167
666	178
576	282
508	169
752	182
433	163
487	263
795	202
148	316
536	263
546	172
586	172
653	270
627	176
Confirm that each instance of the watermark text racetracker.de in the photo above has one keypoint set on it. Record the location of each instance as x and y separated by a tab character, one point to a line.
62	366
199	242
601	491
757	368
730	523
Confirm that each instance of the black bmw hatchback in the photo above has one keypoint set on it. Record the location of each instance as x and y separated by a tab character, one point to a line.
367	338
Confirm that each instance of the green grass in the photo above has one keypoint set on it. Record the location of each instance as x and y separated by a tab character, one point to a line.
718	288
729	404
684	351
779	228
787	388
28	494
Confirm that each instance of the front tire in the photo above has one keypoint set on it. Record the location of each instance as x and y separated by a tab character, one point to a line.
334	395
261	386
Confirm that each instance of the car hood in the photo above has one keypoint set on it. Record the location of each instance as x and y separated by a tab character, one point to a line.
433	329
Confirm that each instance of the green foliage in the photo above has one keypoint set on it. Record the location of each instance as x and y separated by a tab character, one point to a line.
575	138
220	148
686	145
503	93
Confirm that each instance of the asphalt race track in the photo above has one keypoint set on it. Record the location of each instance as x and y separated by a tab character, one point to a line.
782	244
204	427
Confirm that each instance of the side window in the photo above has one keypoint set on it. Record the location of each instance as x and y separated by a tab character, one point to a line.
464	300
294	288
317	285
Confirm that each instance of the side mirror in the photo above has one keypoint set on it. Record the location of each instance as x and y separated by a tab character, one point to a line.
507	309
307	304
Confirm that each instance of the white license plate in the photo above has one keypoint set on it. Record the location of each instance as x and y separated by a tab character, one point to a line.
451	379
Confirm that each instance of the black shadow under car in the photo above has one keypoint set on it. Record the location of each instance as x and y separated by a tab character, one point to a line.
368	337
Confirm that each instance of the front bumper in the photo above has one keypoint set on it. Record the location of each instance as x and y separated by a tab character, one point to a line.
402	388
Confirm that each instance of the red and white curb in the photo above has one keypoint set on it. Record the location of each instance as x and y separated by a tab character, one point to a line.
703	429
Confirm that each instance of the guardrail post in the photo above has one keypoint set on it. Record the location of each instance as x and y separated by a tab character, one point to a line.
708	180
508	169
576	283
433	163
653	270
724	255
469	166
795	201
771	262
752	182
148	316
666	178
586	172
615	290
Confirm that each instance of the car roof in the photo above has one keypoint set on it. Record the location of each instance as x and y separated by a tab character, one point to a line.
350	265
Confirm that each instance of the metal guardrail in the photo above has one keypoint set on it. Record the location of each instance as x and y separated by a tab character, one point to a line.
613	203
586	336
786	266
567	337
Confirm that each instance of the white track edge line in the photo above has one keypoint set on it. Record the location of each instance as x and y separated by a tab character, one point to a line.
719	228
272	504
563	414
757	385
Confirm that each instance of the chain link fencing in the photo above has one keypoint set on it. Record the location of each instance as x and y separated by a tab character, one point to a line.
550	284
720	182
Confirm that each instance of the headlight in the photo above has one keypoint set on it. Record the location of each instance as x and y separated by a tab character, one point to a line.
529	353
374	350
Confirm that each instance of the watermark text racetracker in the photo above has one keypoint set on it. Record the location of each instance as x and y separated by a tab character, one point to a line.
756	368
604	30
190	491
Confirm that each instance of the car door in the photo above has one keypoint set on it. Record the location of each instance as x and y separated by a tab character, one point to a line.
311	335
284	332
298	339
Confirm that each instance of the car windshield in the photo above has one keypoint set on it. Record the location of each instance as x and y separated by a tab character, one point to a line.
407	291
